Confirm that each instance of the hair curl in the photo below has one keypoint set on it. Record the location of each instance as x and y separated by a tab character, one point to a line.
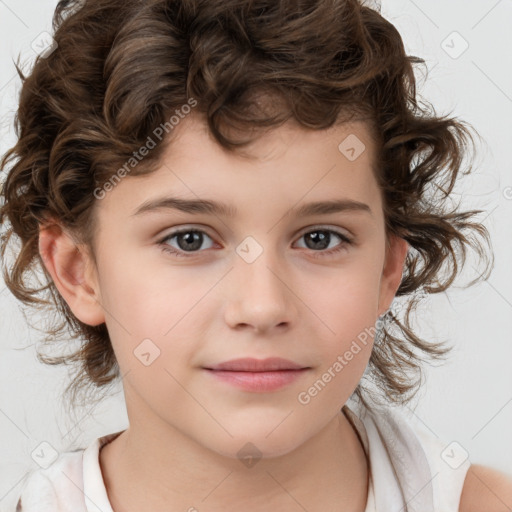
121	67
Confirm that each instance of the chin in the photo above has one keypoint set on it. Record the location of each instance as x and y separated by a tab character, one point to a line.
259	441
249	451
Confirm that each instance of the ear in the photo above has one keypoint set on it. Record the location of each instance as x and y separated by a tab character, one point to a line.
396	252
73	273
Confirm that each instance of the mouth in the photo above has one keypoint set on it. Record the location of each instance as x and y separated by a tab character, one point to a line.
257	375
249	364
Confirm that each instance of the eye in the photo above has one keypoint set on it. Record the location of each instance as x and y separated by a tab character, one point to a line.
320	238
188	240
191	240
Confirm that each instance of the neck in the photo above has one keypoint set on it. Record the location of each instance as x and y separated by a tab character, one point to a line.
327	473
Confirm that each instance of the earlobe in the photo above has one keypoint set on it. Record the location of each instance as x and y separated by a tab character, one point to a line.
396	253
68	266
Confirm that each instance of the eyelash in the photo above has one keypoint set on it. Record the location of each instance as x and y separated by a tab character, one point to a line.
345	240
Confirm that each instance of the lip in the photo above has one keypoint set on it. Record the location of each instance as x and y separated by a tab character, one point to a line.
258	375
250	364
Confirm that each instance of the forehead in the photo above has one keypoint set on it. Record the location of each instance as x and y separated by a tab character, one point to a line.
282	168
351	139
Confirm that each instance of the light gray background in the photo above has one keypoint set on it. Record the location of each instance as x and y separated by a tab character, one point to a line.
468	399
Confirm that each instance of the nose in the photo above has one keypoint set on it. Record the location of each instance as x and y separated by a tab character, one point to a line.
260	296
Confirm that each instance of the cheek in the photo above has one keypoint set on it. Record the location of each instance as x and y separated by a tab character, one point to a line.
343	352
140	298
347	300
151	314
347	311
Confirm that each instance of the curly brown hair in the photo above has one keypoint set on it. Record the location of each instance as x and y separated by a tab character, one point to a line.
120	68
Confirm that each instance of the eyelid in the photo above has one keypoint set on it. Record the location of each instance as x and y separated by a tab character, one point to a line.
345	240
176	230
326	227
186	229
198	227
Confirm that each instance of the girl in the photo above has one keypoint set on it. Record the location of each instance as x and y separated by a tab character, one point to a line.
225	198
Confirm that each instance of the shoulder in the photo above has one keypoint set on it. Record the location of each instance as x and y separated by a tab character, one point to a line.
487	489
57	487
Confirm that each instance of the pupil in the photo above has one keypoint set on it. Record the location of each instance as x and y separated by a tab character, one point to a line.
318	237
192	238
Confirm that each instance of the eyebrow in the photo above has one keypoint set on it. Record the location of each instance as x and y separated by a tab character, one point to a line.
198	206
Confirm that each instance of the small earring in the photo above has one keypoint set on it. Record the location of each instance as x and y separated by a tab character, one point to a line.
382	320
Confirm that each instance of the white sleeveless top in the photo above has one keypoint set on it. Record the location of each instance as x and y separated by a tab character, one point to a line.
407	469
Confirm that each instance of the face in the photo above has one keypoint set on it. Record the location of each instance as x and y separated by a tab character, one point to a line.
182	291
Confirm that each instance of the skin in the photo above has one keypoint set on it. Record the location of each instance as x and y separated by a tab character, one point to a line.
186	427
486	489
